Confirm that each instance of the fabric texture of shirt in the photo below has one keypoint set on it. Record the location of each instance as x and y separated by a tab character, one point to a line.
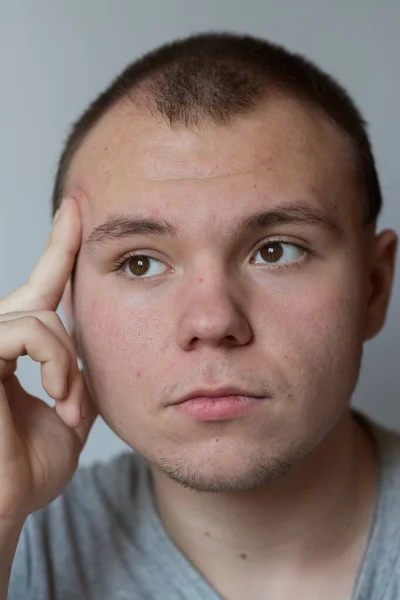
102	538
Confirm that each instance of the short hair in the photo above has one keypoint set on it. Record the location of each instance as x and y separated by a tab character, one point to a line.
216	76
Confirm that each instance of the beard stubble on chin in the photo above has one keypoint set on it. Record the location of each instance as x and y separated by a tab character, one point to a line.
256	475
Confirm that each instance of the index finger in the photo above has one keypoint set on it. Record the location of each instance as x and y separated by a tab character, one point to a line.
46	285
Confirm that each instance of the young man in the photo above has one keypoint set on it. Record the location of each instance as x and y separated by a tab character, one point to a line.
220	267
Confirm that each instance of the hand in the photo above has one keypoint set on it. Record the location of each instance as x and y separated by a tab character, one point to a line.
40	445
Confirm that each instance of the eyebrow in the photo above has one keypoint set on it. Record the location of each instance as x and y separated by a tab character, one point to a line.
117	227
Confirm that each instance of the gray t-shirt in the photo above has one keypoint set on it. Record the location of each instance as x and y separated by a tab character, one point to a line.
102	539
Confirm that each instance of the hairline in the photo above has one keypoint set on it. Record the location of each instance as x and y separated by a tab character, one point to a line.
144	104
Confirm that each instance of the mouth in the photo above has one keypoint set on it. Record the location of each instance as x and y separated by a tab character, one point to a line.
215	393
216	405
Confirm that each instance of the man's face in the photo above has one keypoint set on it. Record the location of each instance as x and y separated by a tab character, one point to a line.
210	306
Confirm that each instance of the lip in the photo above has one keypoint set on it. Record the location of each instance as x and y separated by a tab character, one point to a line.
218	408
217	393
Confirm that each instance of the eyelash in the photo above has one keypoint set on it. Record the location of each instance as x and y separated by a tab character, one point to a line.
121	262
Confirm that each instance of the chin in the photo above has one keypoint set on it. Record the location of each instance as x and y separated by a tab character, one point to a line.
224	472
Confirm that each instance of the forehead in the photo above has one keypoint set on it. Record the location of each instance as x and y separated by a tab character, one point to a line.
282	147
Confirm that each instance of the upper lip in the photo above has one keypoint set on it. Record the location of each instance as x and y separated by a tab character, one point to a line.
216	393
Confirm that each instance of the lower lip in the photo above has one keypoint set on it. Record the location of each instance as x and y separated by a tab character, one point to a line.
214	409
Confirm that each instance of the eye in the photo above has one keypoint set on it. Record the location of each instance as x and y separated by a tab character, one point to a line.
141	266
272	252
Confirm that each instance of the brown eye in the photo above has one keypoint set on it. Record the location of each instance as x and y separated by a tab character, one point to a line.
272	252
139	265
279	253
142	266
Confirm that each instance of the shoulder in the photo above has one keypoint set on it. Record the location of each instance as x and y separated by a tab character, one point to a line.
386	520
119	477
379	574
66	541
109	487
105	492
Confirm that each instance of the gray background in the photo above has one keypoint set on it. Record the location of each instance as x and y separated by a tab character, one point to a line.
55	56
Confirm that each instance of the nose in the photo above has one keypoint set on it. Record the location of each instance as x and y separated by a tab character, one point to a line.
212	315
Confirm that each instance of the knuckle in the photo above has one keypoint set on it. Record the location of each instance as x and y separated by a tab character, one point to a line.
51	317
32	322
55	324
31	326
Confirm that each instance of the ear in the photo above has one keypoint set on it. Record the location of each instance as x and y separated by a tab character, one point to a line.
67	305
381	276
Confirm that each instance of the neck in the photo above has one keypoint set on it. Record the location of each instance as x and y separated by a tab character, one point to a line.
320	510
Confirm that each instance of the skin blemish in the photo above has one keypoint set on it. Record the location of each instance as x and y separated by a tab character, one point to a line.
201	279
243	556
207	534
138	373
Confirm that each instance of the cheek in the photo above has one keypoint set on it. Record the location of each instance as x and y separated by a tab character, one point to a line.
119	343
320	336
